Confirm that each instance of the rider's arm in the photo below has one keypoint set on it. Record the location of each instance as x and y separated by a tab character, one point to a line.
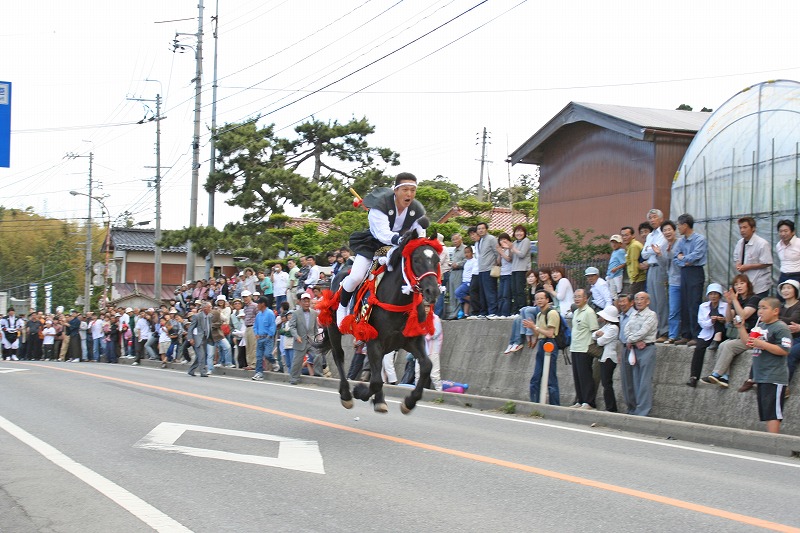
379	226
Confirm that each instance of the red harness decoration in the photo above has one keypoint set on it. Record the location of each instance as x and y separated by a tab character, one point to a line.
364	331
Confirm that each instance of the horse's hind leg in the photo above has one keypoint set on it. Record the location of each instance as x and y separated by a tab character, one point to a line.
425	365
338	358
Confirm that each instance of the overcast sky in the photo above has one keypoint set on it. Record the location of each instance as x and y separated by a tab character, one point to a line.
505	65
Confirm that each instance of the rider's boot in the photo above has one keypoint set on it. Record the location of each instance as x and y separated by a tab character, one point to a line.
344	307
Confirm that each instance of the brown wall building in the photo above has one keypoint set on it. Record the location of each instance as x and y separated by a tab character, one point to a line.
603	166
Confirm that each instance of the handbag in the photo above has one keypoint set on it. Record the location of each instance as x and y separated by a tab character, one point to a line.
495	271
595	350
226	329
731	331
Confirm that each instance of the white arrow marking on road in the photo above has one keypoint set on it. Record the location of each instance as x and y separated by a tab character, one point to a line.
9	370
293	454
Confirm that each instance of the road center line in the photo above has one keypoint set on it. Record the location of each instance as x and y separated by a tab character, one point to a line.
131	503
665	500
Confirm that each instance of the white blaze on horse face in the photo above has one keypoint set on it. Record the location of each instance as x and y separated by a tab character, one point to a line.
428	253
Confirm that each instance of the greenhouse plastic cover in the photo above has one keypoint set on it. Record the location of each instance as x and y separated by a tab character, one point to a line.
743	162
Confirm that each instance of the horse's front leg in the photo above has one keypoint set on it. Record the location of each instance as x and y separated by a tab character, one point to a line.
338	358
417	348
364	393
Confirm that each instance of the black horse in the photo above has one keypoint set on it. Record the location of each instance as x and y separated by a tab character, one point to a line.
419	258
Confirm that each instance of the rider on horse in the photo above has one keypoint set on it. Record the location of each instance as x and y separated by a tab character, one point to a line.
392	212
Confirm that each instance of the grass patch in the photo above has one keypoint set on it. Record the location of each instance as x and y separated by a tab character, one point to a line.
440	399
509	408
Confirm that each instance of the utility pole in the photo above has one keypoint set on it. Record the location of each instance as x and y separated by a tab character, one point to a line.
198	85
157	236
213	159
484	141
87	281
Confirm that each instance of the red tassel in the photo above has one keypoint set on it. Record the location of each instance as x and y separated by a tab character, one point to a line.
364	331
347	325
327	306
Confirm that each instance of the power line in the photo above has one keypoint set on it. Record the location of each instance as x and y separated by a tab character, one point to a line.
365	66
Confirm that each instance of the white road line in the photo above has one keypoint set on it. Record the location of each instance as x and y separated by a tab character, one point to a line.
131	503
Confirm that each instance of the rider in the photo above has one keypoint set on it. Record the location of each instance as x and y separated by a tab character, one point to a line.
392	212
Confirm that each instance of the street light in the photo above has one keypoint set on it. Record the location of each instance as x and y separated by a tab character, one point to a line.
87	295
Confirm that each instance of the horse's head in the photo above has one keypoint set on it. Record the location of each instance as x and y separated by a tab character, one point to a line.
425	267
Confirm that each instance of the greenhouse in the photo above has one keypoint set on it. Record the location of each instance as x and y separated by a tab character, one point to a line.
743	162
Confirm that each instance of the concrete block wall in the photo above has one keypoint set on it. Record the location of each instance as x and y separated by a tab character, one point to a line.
472	353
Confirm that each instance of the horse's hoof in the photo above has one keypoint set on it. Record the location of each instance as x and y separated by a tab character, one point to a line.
403	409
381	408
347	404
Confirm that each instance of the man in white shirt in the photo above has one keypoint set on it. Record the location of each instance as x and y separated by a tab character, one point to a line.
788	250
657	274
280	285
313	272
753	257
601	294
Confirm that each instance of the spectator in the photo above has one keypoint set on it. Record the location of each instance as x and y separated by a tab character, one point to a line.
545	329
250	282
519	334
790	314
291	264
313	272
264	329
788	250
199	338
280	284
477	306
464	292
520	264
664	256
616	266
711	318
753	257
220	328
506	262
656	274
49	338
564	294
633	250
456	277
286	341
267	290
584	322
487	258
640	332
691	255
742	307
608	338
164	342
444	265
601	296
770	370
250	311
303	327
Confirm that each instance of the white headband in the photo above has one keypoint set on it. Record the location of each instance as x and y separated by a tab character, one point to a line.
405	184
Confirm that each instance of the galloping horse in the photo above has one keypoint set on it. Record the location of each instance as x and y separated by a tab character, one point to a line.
399	320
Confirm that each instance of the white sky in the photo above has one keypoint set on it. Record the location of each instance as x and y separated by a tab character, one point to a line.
73	64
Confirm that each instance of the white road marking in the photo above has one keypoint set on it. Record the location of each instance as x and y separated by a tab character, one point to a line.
131	503
293	454
9	370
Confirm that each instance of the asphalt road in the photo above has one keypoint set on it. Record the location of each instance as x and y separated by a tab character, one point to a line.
114	448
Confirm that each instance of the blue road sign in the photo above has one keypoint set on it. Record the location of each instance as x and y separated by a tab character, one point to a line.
5	123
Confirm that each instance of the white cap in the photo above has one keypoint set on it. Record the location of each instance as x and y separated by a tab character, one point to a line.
305	295
222	297
609	313
129	310
592	271
246	293
716	287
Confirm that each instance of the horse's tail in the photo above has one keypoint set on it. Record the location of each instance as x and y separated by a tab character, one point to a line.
323	346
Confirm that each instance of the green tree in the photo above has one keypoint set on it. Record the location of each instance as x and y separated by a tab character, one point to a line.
475	210
307	241
343	226
581	246
204	239
531	210
436	201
